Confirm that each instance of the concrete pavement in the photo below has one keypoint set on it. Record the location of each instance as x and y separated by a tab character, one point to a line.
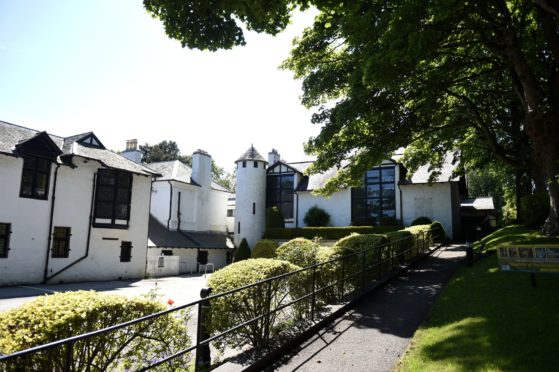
373	336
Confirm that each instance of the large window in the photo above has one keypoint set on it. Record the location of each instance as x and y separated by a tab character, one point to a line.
35	178
279	192
125	251
112	198
375	202
5	231
61	242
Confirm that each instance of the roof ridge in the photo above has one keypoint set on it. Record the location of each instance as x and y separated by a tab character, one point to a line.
31	129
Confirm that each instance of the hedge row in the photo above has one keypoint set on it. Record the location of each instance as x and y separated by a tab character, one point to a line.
329	233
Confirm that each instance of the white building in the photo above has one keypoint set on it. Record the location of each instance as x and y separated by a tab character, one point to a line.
389	195
188	215
70	210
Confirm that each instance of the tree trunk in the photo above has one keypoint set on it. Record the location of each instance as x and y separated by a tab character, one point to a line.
551	225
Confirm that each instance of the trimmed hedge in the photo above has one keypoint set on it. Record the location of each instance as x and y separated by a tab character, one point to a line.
438	232
244	305
316	217
62	315
329	233
299	251
402	244
264	248
417	229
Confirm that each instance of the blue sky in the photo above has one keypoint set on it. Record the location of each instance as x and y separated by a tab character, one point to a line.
71	66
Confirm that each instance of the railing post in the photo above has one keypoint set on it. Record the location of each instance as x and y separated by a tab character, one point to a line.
313	297
69	356
363	270
267	309
391	257
342	280
203	356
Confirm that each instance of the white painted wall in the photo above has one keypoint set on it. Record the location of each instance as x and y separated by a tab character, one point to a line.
338	206
160	195
251	188
433	201
30	223
188	257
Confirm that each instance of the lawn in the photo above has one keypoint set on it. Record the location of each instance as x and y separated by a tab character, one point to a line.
490	320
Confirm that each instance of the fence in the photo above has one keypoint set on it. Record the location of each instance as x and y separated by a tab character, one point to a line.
269	313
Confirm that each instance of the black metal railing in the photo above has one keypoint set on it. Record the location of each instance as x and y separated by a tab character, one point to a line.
310	291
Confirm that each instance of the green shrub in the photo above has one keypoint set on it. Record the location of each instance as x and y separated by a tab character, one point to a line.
274	218
438	232
329	233
402	244
243	252
421	221
242	306
418	229
316	217
264	248
299	251
422	236
534	209
62	315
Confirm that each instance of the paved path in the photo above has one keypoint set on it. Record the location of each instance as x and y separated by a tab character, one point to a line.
373	336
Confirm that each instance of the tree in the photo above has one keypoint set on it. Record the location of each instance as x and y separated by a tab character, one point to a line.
169	150
386	74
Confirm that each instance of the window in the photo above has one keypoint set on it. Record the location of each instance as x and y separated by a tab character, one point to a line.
244	164
230	213
125	251
5	231
61	242
35	178
255	164
376	200
112	198
238	227
279	192
253	208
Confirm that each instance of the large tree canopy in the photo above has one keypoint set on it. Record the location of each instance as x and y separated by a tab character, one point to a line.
432	75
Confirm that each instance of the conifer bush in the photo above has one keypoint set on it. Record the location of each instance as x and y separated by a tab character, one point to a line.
316	217
243	252
244	305
274	218
438	232
62	315
264	248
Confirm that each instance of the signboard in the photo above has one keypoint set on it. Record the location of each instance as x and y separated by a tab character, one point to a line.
532	258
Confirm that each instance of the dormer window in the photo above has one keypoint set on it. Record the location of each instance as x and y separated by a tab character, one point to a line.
91	141
35	178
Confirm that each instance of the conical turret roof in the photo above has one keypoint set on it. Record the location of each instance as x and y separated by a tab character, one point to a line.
251	154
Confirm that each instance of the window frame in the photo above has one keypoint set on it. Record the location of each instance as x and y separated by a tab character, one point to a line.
362	195
281	193
111	221
6	235
57	252
125	251
35	172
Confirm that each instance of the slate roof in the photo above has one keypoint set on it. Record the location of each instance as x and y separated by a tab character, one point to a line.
160	237
251	154
11	135
479	204
175	170
421	175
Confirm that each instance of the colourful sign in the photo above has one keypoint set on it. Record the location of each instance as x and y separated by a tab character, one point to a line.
533	258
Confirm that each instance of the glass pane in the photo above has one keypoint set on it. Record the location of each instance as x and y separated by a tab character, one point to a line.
373	176
106	177
105	193
272	196
389	213
273	182
41	184
287	209
373	205
388	204
373	191
43	165
359	208
388	174
121	211
3	229
29	163
2	245
104	210
122	195
358	192
287	182
123	179
286	195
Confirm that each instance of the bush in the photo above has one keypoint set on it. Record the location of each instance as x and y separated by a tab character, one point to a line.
402	244
418	229
421	221
243	252
299	251
329	233
242	306
62	315
534	209
438	232
274	218
316	217
264	248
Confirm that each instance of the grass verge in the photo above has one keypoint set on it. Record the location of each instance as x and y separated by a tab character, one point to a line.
488	320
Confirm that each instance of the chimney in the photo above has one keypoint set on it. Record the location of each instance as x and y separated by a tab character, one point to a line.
273	157
132	152
202	168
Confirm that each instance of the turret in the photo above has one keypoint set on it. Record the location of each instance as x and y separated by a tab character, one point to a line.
250	207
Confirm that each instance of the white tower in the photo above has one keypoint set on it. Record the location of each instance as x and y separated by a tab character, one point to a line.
250	207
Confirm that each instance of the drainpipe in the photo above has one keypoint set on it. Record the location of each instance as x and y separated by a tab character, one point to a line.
88	237
170	204
49	237
401	206
297	210
179	211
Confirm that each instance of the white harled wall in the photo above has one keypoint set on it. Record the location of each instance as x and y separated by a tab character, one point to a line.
251	188
338	206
